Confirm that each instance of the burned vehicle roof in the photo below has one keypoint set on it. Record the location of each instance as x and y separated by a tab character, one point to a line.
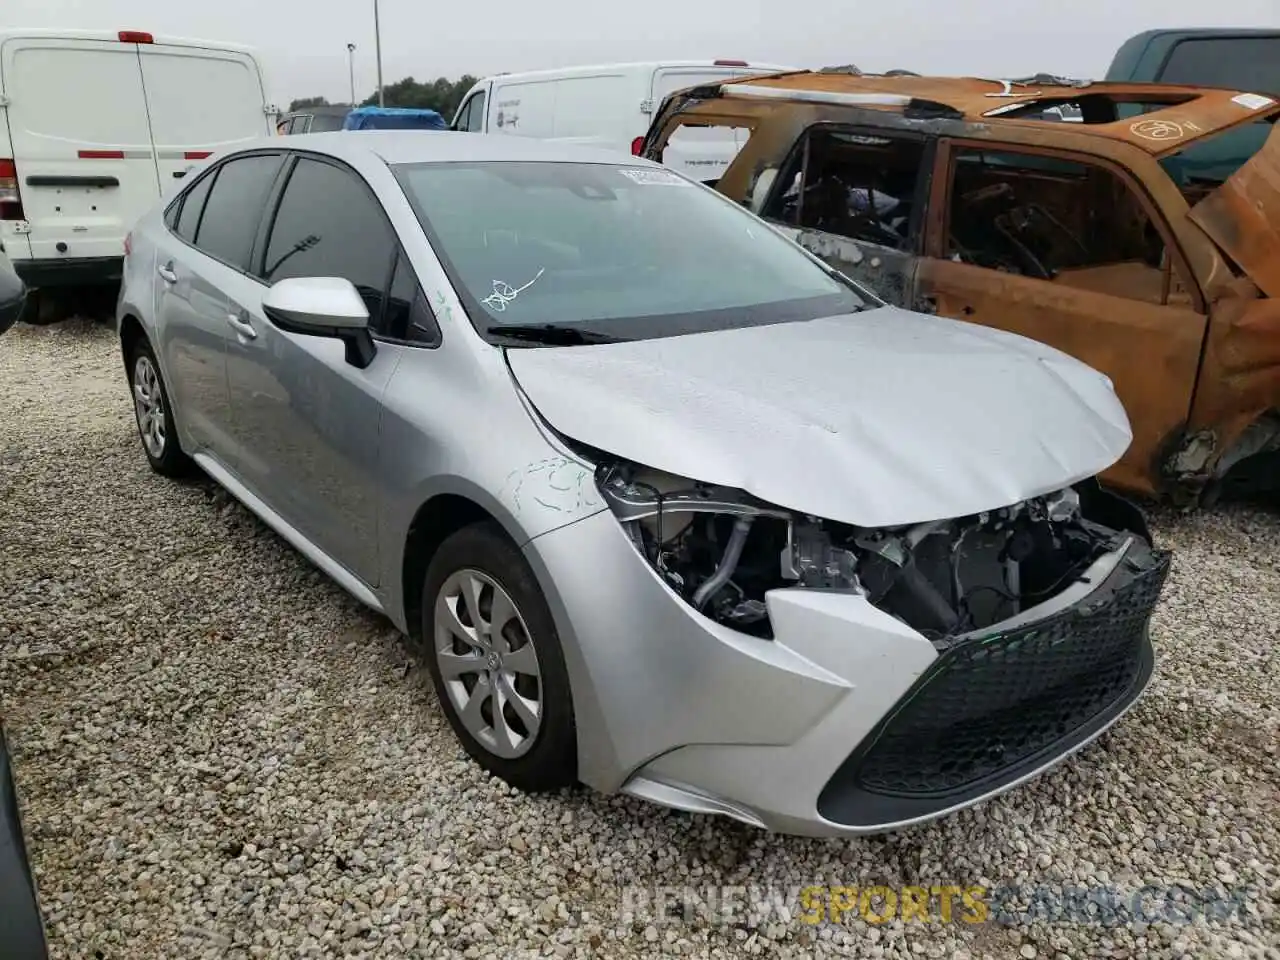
1159	118
1135	226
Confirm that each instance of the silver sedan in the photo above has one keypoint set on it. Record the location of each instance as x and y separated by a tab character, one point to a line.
670	506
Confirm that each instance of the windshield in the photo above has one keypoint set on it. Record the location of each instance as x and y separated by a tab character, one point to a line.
631	252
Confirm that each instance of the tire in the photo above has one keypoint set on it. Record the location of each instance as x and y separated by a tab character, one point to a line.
43	308
156	428
532	758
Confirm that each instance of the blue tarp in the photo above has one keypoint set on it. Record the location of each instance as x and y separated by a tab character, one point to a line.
393	118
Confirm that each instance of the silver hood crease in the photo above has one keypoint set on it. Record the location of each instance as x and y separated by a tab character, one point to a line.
876	419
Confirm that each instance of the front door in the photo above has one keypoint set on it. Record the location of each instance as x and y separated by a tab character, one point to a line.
1063	249
855	198
306	421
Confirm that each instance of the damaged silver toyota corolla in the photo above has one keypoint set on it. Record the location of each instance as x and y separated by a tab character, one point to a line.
672	507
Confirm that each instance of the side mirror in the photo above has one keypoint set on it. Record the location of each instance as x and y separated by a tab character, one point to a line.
13	294
322	307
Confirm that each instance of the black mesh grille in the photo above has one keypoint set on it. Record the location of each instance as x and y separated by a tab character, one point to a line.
989	704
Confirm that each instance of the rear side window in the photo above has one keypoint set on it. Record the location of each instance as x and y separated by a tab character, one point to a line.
234	208
192	205
1237	63
330	225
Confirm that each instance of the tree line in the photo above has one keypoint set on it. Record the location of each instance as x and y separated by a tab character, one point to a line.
442	95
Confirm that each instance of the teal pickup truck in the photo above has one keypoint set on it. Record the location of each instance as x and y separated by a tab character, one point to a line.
1237	59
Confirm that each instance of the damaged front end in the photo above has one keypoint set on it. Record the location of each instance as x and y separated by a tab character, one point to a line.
722	551
1038	612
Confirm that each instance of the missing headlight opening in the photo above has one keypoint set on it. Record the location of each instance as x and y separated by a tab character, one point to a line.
722	551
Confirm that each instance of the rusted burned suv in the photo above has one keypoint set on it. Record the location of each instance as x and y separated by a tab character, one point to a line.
1045	208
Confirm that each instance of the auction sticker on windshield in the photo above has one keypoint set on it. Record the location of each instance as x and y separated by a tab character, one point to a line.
654	178
1252	101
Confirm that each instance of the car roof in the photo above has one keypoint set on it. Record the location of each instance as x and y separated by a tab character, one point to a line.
113	36
441	146
632	66
1174	115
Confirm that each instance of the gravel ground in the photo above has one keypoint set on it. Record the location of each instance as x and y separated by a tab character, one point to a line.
221	755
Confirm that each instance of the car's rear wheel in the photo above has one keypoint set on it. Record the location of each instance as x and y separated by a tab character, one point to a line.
495	658
154	414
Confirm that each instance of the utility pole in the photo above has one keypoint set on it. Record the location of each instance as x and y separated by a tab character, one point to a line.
377	41
351	68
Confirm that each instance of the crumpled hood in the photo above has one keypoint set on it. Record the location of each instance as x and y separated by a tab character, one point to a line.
876	419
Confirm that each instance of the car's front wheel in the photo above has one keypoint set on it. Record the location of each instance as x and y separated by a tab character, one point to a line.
154	414
495	658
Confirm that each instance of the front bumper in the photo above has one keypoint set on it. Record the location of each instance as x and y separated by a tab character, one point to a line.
848	722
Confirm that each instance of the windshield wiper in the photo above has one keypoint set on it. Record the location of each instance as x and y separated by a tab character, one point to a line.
551	333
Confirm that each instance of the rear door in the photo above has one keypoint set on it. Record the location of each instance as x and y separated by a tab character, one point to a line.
204	258
77	119
202	100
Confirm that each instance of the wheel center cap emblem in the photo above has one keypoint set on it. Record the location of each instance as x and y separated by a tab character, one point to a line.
493	661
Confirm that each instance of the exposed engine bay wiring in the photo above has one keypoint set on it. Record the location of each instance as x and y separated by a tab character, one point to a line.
722	552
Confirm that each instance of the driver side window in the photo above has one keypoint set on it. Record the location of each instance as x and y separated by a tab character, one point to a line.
1063	221
472	116
859	186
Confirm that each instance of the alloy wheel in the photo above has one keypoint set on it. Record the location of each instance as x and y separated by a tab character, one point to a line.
148	405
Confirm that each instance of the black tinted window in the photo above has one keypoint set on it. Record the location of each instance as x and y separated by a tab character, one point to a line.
1237	63
330	225
235	207
408	317
189	216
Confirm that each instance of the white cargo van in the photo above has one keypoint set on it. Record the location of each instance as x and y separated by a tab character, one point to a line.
609	106
94	127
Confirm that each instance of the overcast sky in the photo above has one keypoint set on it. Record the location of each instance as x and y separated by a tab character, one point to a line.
304	44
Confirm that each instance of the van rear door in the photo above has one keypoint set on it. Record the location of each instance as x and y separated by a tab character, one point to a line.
77	120
703	153
202	101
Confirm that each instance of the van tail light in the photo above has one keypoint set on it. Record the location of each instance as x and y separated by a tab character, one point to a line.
637	146
135	36
10	199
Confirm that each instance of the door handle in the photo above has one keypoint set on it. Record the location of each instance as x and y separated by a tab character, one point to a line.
166	273
241	325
